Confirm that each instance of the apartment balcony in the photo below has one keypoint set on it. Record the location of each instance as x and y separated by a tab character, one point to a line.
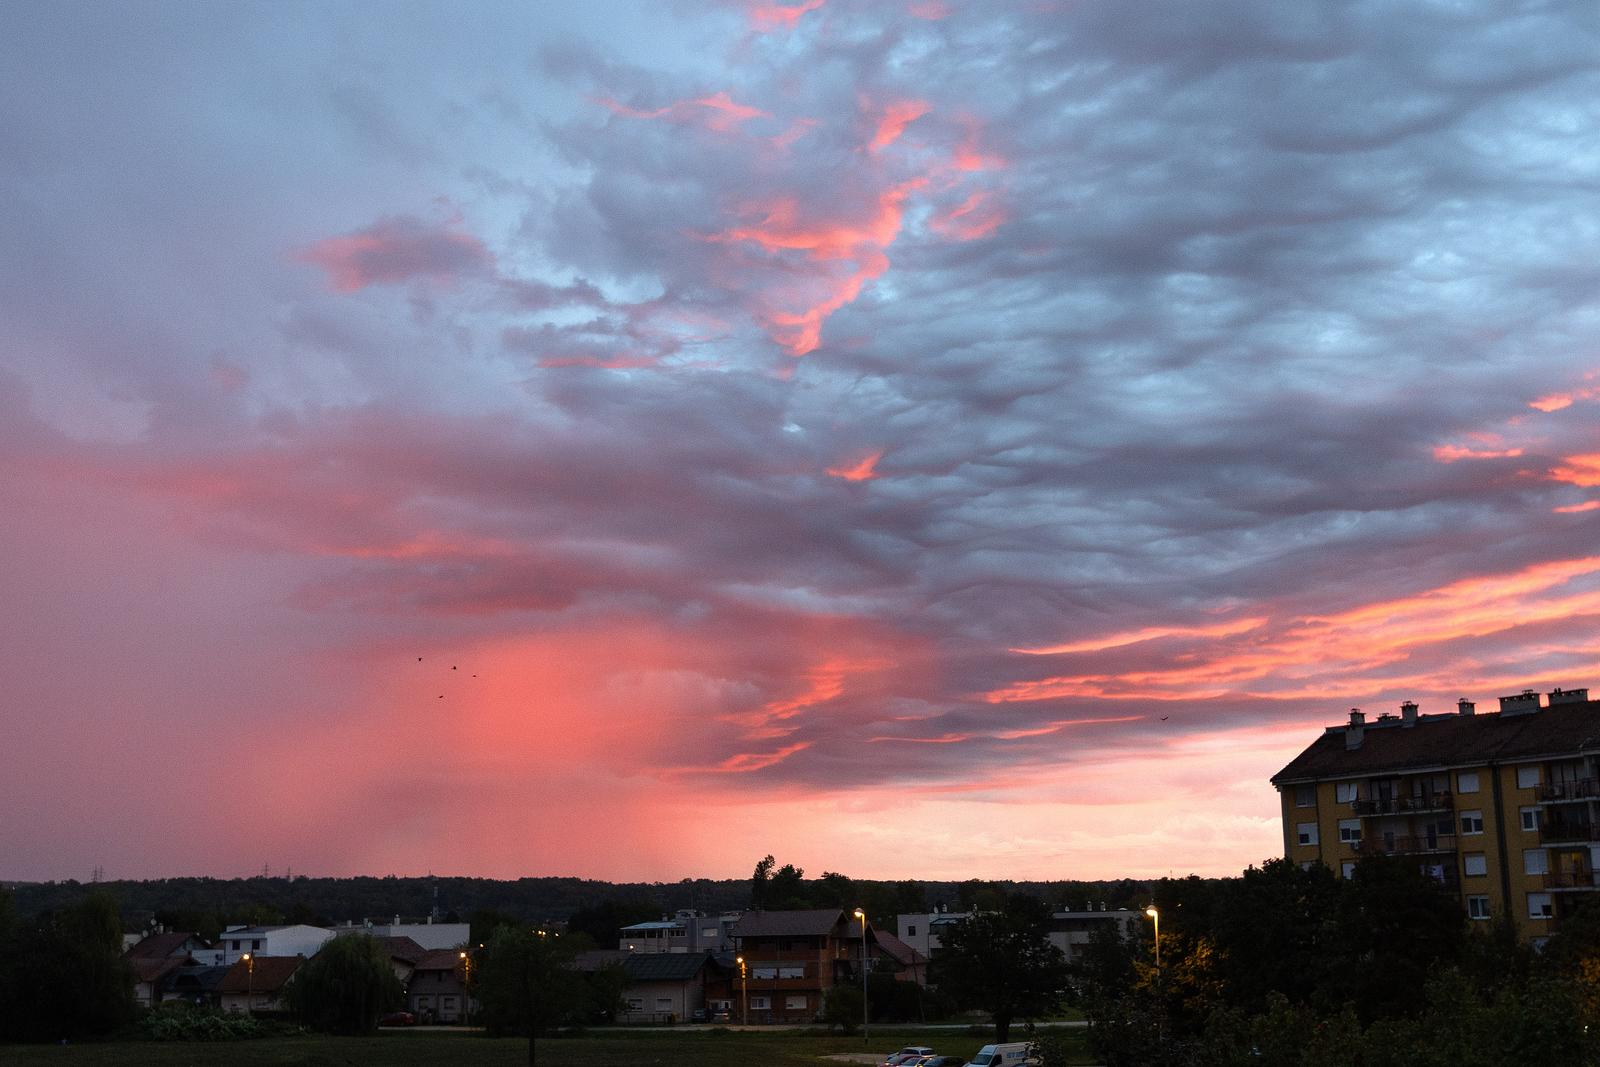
1432	802
1406	844
1571	880
1565	832
1582	789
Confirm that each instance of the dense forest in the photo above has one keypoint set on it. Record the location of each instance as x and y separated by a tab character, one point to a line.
199	902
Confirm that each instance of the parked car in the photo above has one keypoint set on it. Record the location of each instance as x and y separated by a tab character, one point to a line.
941	1061
907	1056
398	1018
721	1015
698	1015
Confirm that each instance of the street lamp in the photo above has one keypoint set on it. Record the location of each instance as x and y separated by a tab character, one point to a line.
1156	915
250	984
466	987
866	1032
744	990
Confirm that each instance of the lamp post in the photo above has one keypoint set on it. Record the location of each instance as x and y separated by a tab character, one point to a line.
466	987
866	1031
249	984
744	991
1156	915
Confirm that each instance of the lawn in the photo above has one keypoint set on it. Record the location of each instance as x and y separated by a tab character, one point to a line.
715	1048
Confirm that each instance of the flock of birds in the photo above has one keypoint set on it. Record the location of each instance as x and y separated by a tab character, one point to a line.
453	667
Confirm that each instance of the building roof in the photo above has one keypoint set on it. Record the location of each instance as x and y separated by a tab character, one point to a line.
403	949
440	959
154	968
271	972
595	958
1389	745
665	924
814	922
160	946
198	977
664	966
898	950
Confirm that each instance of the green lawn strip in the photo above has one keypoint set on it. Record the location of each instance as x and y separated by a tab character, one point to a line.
778	1048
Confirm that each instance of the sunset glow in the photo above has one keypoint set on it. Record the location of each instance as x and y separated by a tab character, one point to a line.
1008	433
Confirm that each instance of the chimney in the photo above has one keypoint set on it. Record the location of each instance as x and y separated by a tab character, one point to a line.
1408	713
1524	703
1357	728
1465	707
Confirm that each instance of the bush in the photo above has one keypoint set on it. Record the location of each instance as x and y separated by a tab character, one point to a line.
176	1021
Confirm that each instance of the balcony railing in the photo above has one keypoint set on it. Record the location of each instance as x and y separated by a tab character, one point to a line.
1582	789
1571	880
1407	844
1555	831
1442	801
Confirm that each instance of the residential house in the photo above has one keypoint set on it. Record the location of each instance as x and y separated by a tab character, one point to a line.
898	958
922	930
1502	809
666	987
150	973
1073	931
255	986
193	983
438	989
283	941
404	955
426	932
687	931
792	959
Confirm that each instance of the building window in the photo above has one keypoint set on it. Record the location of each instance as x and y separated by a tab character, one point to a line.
1528	777
1306	833
1467	782
760	1004
709	935
1534	861
1539	906
1305	796
1347	869
1472	822
764	971
636	1004
1475	863
1530	819
1478	907
1350	831
795	1003
911	931
796	971
663	1004
1344	792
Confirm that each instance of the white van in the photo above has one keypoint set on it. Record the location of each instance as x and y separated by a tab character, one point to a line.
1011	1054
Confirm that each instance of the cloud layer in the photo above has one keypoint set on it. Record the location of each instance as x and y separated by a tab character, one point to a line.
916	439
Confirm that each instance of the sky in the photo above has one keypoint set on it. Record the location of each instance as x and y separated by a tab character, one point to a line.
914	438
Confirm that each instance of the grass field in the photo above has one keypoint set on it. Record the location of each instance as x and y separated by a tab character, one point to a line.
716	1048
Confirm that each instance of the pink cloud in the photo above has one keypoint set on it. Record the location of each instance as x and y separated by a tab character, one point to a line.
765	17
897	115
929	9
975	217
395	250
861	470
719	111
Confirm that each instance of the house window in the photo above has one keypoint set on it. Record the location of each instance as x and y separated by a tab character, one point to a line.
1472	822
796	971
709	935
1467	782
1539	906
1305	796
795	1003
911	931
760	1004
255	946
636	1004
1535	861
1478	907
663	1004
764	971
1306	833
1347	869
1344	792
1528	776
1530	819
1350	831
1475	863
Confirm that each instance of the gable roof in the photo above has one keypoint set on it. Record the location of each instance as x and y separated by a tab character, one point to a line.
440	959
271	972
403	949
664	966
194	977
813	922
154	968
897	949
160	946
1448	740
595	958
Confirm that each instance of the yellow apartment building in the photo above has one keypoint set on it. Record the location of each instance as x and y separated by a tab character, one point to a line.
1502	808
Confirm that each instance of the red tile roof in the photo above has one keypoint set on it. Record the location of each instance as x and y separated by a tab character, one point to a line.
441	959
814	922
271	972
159	946
151	969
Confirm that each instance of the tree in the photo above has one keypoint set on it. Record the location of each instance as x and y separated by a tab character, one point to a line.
346	987
1004	963
843	1007
62	974
527	985
603	922
774	888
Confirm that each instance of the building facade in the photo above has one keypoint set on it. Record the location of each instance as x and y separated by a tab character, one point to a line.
1502	809
791	960
687	932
